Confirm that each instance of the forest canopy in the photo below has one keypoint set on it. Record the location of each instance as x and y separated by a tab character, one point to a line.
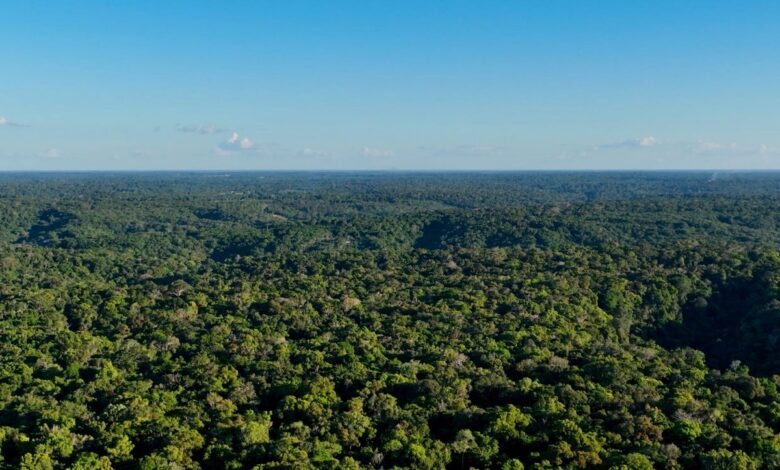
390	320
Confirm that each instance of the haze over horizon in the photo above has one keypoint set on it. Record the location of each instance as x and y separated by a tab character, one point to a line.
347	85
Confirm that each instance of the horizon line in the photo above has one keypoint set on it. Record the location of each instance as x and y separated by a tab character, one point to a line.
401	170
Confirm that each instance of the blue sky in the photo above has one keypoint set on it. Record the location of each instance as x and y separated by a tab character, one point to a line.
389	85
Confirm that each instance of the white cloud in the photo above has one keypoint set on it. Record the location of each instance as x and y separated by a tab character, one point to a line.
236	143
202	129
648	141
374	152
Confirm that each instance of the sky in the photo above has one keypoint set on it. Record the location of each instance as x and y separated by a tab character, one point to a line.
391	85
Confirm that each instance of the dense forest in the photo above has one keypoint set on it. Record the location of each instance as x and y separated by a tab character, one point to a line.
390	320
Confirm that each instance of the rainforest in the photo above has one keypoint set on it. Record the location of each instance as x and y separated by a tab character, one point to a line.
381	320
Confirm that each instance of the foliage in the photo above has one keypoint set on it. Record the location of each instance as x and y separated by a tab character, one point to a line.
515	321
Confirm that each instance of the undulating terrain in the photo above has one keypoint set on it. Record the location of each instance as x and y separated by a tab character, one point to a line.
390	320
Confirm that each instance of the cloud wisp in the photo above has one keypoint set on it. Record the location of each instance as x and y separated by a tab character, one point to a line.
641	142
374	152
675	153
313	152
202	129
704	147
51	153
5	122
